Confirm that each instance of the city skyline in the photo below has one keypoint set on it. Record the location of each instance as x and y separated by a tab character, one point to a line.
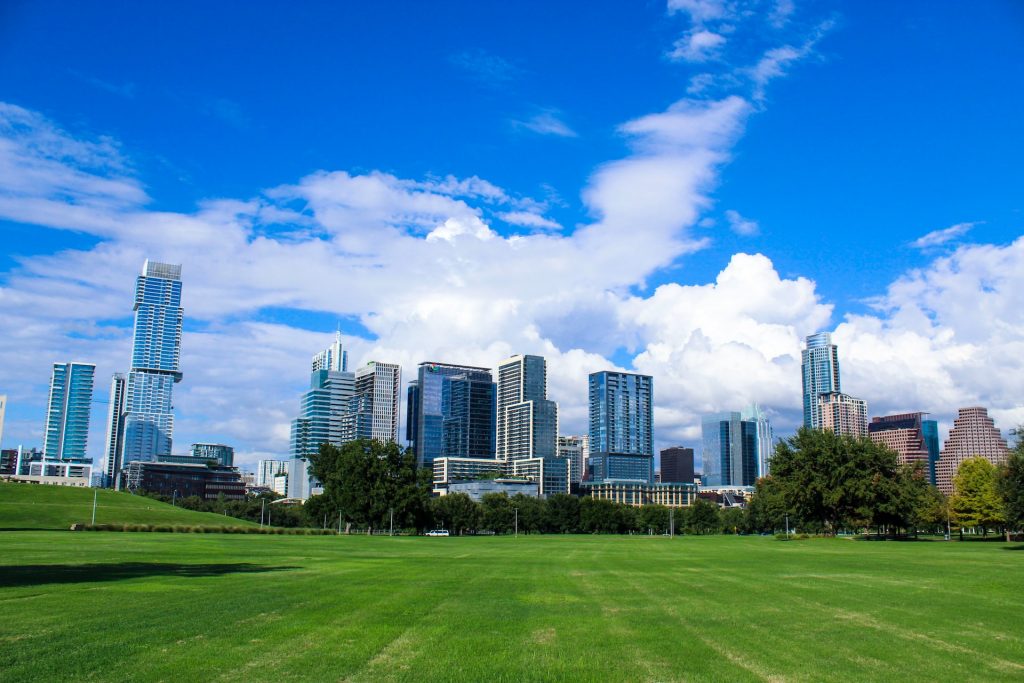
695	228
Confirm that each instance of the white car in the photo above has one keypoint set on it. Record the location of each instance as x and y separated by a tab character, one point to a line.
438	532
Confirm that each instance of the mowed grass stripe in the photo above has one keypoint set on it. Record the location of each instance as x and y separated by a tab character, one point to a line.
530	608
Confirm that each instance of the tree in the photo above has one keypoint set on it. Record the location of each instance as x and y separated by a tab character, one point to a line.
733	520
562	514
767	508
653	518
976	501
531	513
366	481
457	512
598	516
702	518
1011	486
496	513
932	511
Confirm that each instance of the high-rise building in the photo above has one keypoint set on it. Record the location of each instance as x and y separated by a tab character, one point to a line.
376	401
843	414
224	455
453	410
333	358
156	354
765	437
115	428
266	470
820	369
575	449
909	435
621	427
974	434
68	408
730	450
325	413
677	465
527	422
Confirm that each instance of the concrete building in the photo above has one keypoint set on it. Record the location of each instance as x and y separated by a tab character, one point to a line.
266	470
843	414
677	466
621	427
526	421
575	449
974	434
819	369
477	489
550	475
185	479
913	438
225	455
638	494
376	404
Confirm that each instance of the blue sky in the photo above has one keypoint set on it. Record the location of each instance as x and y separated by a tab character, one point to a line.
820	139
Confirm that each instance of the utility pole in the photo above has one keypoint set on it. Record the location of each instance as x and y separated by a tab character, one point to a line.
94	494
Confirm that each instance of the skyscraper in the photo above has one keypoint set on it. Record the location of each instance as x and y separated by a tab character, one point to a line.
909	436
843	414
454	412
576	449
333	358
765	437
974	434
325	413
115	428
156	354
621	427
527	422
67	414
377	386
677	465
820	369
730	450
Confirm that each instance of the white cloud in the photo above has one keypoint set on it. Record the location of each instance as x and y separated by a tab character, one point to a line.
701	11
740	225
529	219
776	61
547	122
939	237
697	46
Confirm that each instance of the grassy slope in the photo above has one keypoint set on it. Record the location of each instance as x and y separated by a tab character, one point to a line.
31	506
161	607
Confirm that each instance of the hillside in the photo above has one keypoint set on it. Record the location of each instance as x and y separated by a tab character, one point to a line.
30	506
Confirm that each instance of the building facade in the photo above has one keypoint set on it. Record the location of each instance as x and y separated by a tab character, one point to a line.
67	415
115	428
820	370
621	427
765	437
575	449
637	494
454	413
266	470
730	450
843	414
148	420
974	434
333	358
677	466
377	412
526	421
910	436
224	455
185	479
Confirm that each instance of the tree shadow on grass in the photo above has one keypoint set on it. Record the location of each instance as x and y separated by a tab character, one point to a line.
40	574
1013	547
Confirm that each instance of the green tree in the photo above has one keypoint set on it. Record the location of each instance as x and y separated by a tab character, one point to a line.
1011	487
767	507
496	513
562	514
702	518
530	511
932	511
366	480
653	518
598	516
976	501
457	512
733	520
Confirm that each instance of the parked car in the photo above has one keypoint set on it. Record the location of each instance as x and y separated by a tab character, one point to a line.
438	532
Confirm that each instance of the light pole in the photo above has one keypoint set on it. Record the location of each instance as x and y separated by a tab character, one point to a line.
671	522
95	493
787	524
263	509
517	521
391	531
174	495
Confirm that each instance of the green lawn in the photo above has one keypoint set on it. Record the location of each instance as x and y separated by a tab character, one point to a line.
33	506
162	607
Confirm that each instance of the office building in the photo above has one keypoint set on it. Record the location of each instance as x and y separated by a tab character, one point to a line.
68	409
974	434
454	413
843	414
551	474
621	427
224	455
185	479
527	423
677	465
730	450
575	449
479	488
266	470
637	494
148	422
910	436
820	369
334	358
8	461
115	429
765	437
376	407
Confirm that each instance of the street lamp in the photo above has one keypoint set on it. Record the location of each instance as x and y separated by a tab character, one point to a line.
517	521
174	496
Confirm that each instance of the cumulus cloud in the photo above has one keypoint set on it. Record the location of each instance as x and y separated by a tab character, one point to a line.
937	238
740	225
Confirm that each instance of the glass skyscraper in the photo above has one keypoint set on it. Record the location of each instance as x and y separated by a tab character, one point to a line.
156	354
731	450
820	369
621	427
453	410
67	415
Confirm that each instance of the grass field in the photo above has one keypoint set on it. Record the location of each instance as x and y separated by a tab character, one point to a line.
29	506
160	607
